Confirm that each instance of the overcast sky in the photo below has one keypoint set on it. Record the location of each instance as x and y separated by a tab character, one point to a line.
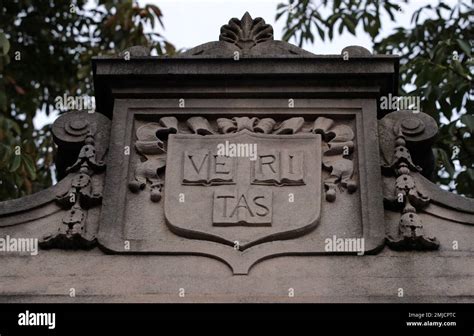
189	23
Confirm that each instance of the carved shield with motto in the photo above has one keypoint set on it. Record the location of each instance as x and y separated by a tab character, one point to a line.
243	197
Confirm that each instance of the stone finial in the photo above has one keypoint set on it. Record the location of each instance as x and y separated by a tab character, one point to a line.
248	38
246	32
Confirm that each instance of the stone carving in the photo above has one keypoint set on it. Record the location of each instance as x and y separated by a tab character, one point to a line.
135	51
89	133
232	209
407	196
238	124
246	32
150	144
336	155
419	130
248	37
199	125
257	202
211	197
338	147
355	51
85	192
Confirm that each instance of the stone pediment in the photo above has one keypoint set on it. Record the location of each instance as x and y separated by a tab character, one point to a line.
335	202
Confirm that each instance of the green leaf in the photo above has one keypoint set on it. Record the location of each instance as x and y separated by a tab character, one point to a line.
30	167
278	15
341	27
5	157
349	24
11	125
445	160
83	72
464	46
3	101
15	163
443	5
468	120
4	44
320	32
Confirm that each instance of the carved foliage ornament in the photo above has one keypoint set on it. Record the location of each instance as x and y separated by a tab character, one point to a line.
150	144
407	196
90	133
338	147
336	158
84	193
246	32
247	36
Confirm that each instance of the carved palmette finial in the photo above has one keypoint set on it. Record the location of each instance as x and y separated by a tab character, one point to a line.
246	32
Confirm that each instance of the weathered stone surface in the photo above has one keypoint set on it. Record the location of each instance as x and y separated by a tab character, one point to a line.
172	212
159	227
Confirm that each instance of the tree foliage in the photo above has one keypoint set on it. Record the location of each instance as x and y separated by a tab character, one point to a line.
45	52
436	64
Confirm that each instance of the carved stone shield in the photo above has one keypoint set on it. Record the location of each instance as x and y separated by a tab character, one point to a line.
243	189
